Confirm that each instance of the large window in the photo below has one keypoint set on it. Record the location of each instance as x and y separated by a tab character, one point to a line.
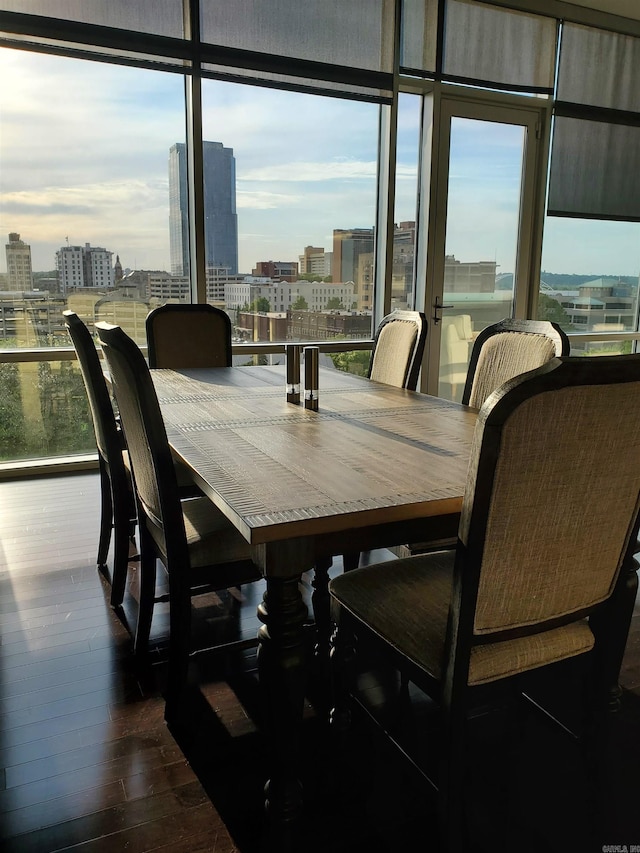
589	280
85	192
244	157
290	206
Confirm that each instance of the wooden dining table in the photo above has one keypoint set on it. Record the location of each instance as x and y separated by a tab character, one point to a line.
375	466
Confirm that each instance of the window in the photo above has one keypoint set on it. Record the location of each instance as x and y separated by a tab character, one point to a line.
93	196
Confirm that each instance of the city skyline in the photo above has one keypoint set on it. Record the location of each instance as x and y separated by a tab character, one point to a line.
306	165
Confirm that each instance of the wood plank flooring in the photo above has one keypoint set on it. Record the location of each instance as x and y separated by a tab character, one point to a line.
88	764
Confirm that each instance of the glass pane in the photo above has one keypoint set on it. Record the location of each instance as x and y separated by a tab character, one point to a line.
589	280
43	411
85	194
483	213
305	193
403	282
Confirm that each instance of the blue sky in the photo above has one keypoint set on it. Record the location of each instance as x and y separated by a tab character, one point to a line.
84	152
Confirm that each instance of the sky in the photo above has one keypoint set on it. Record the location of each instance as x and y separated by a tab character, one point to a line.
84	157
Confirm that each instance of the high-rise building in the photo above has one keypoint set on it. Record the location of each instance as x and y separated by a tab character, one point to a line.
84	266
221	220
19	273
348	245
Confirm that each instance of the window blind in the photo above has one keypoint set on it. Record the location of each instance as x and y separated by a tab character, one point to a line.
595	153
329	46
153	17
482	44
319	44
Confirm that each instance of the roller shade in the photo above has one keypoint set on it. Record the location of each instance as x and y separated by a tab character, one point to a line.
482	45
326	46
321	44
595	153
154	17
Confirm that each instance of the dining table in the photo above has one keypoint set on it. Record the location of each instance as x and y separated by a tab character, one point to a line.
375	466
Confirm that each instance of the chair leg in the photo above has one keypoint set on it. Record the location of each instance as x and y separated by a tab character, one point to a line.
179	647
351	561
451	788
342	658
106	516
147	595
121	525
320	604
611	627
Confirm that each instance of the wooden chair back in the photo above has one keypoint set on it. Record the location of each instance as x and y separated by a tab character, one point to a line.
185	335
151	461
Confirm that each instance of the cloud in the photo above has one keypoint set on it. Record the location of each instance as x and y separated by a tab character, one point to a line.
311	171
248	200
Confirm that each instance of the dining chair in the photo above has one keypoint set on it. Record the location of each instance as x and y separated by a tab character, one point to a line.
396	359
117	510
542	571
199	548
500	352
398	347
506	349
188	335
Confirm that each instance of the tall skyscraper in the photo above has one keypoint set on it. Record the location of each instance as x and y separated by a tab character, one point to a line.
221	220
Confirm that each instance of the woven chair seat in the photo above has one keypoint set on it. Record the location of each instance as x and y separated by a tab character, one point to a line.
406	603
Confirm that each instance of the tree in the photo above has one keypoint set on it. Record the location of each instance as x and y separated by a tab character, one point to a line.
334	302
260	305
300	304
550	309
356	361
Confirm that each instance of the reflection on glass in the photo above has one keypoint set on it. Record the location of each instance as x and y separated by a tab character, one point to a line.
483	213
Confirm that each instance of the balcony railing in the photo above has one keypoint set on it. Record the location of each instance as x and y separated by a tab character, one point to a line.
45	424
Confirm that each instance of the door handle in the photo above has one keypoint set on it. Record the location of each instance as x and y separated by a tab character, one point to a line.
437	308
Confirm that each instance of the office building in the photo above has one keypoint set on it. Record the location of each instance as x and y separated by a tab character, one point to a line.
221	221
84	266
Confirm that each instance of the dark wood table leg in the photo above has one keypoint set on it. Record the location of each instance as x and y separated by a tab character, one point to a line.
282	672
321	608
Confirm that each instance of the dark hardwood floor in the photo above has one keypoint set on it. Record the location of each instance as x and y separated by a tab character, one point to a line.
87	762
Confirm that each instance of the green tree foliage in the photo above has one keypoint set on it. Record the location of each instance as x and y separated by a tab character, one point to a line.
335	302
61	423
260	305
12	425
300	304
356	361
68	427
550	309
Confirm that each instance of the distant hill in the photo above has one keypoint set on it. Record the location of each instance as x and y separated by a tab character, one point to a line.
572	282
